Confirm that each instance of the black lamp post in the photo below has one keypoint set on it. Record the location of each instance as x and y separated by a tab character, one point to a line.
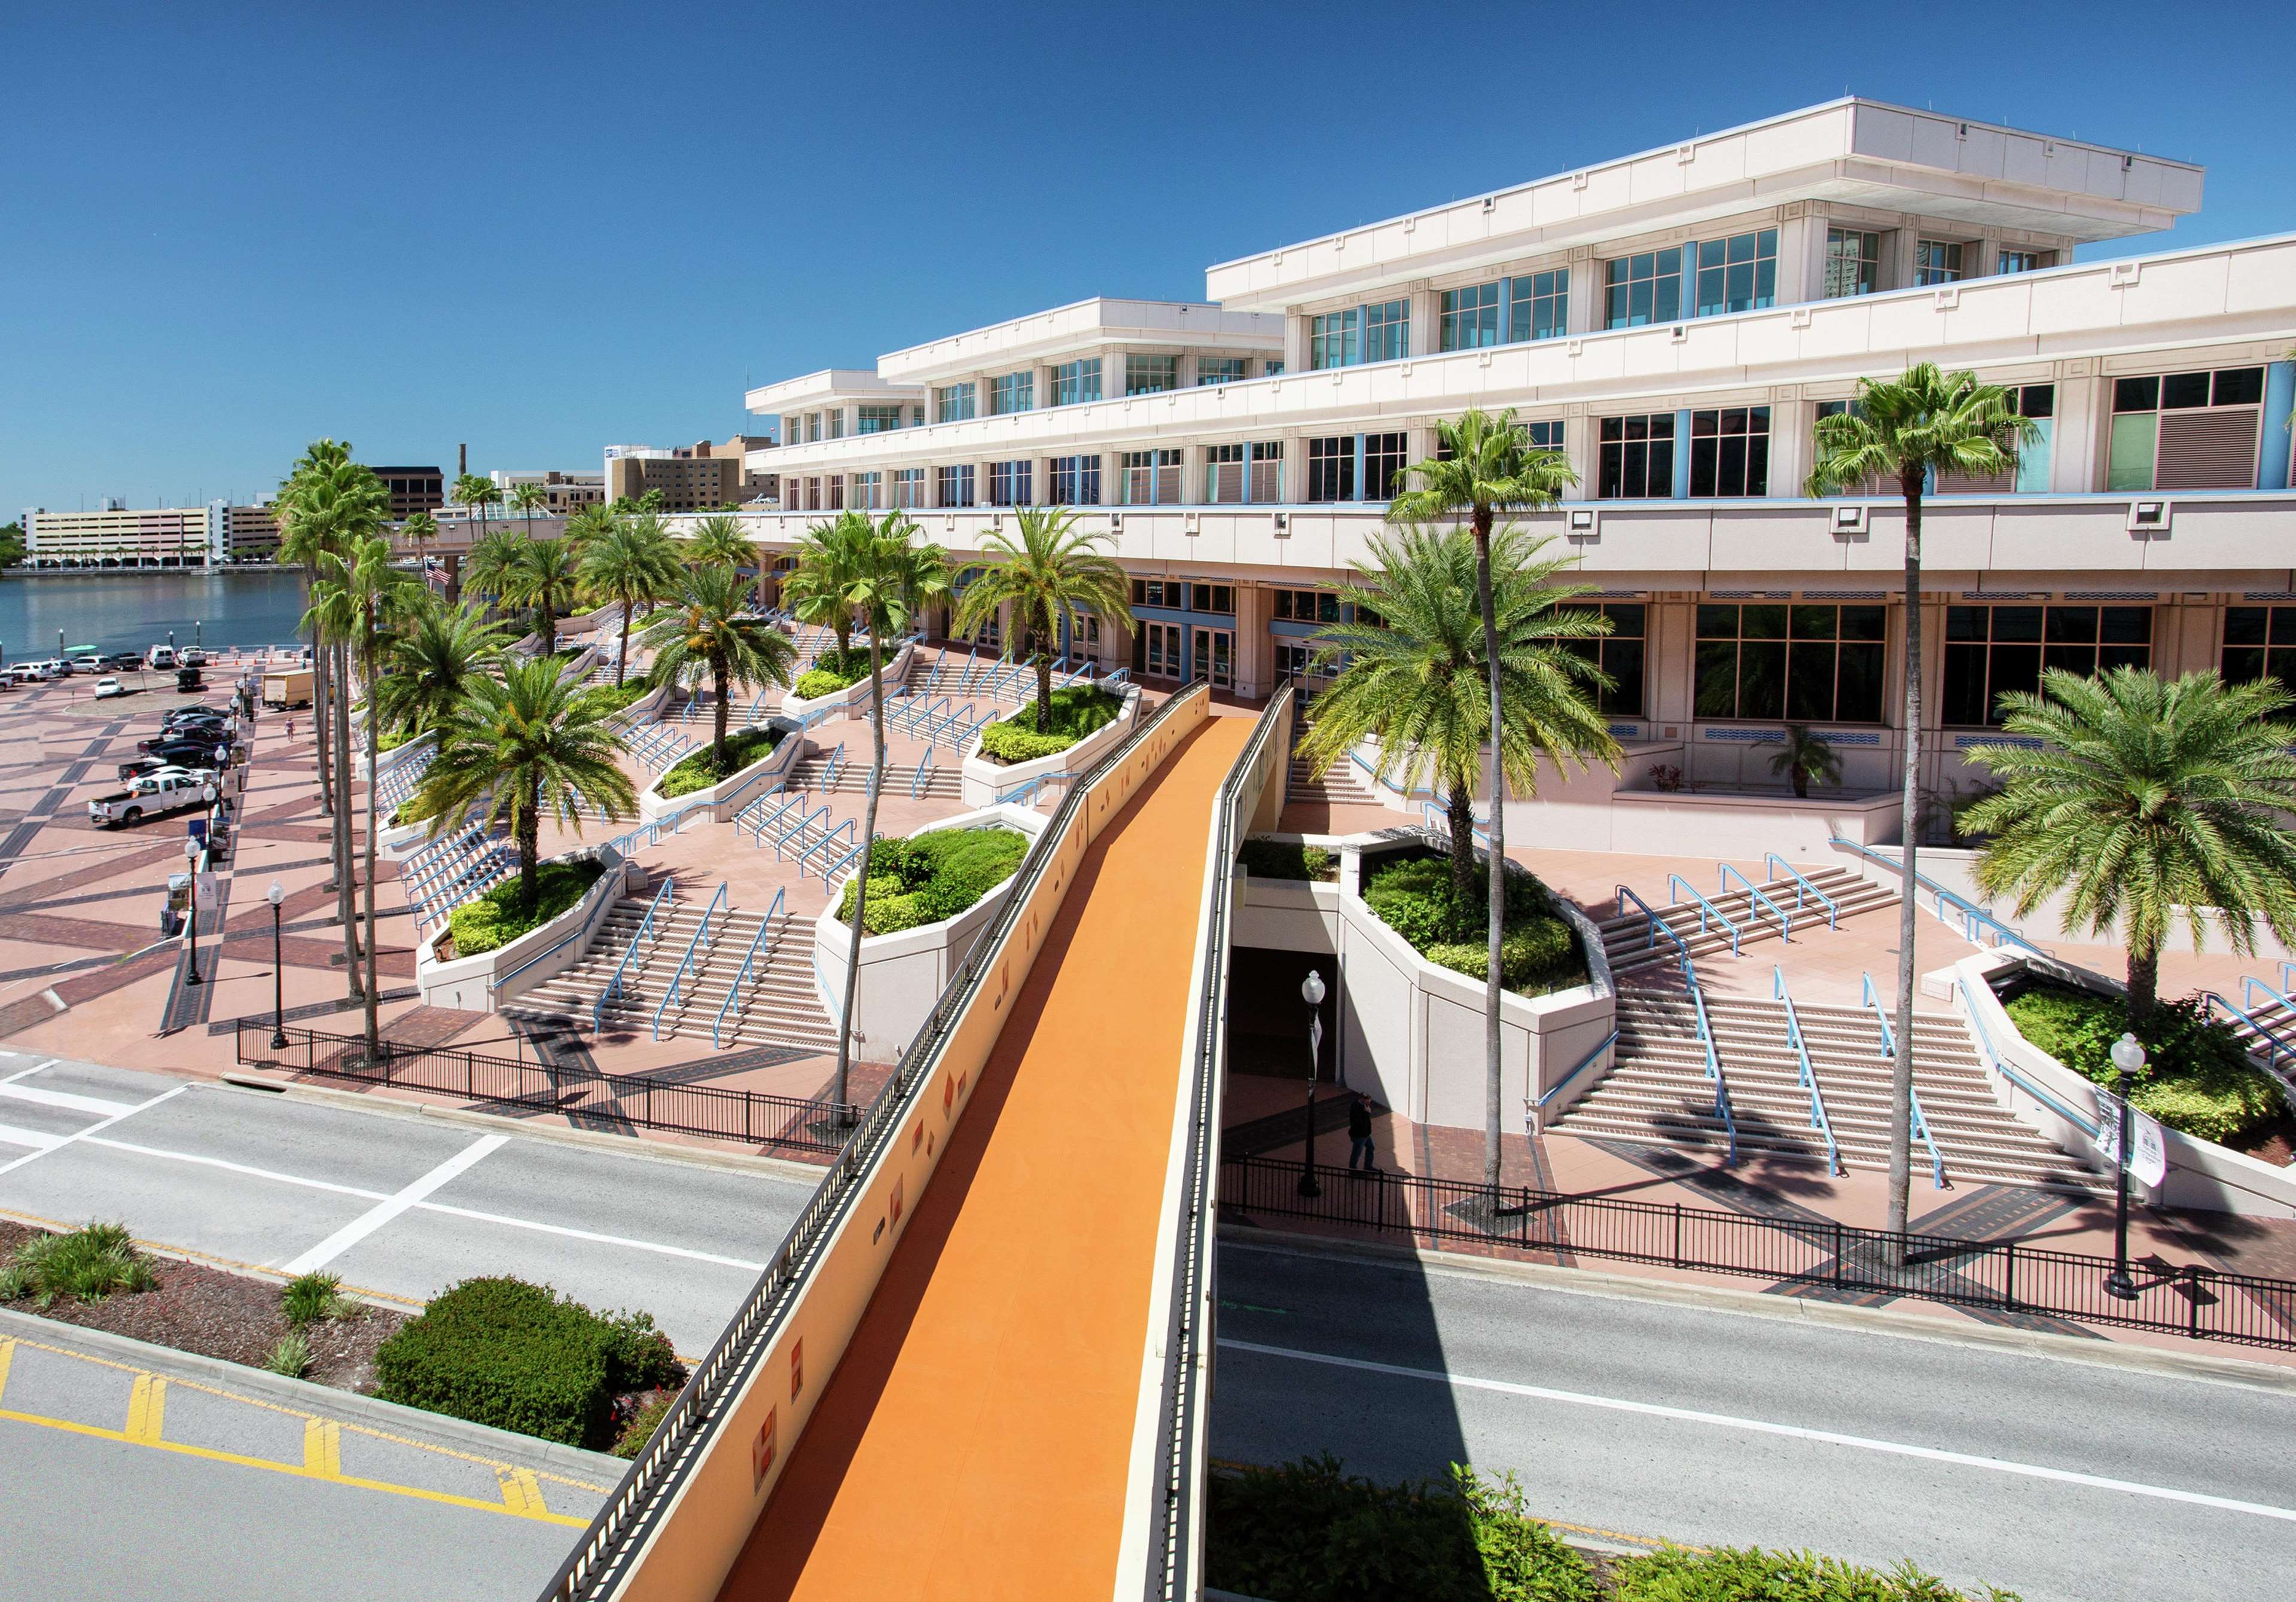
1311	991
275	895
192	919
2129	1058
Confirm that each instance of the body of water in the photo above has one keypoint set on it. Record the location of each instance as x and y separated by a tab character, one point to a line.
128	611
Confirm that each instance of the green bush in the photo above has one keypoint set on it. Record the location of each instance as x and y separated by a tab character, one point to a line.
84	1266
308	1298
1307	1531
517	1356
494	919
607	698
1078	710
390	739
291	1357
1750	1574
833	671
1537	952
701	770
643	1424
2196	1077
932	876
1280	859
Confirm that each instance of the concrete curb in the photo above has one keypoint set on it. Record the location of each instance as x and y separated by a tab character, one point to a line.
1751	1304
305	1397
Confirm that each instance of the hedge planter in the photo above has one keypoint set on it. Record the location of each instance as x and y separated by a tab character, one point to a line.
987	782
851	699
903	974
491	979
730	795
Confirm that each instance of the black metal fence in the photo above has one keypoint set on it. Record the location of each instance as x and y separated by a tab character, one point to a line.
1816	1257
574	1090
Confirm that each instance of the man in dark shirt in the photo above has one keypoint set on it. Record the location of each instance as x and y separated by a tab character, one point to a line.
1359	1135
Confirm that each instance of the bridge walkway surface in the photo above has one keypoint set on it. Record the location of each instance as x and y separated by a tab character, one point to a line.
976	1439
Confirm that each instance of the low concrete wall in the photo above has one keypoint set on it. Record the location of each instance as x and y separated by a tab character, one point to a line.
728	796
903	973
479	984
855	697
985	781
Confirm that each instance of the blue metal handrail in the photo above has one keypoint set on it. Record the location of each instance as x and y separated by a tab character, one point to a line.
1756	898
917	782
1586	1062
1872	997
677	978
822	846
1434	815
645	931
1713	1062
1832	911
2086	1123
1674	882
1818	1121
1657	924
2288	977
748	958
1972	915
796	836
2276	1044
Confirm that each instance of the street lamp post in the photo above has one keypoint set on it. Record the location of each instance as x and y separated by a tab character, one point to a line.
192	919
2129	1058
1311	991
275	895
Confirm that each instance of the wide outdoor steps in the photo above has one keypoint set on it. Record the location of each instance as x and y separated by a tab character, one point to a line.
2269	1034
778	1005
941	784
1341	786
1658	1093
1629	942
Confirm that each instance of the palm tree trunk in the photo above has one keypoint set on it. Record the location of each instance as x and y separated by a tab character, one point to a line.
1492	987
1043	658
1901	1062
374	759
346	899
861	894
722	714
2143	988
622	651
319	680
530	847
1459	804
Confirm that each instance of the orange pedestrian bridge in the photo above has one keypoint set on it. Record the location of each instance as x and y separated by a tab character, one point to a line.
977	1365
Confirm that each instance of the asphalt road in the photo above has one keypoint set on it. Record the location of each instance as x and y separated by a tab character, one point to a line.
2064	1480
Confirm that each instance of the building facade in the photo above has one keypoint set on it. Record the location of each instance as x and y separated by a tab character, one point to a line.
412	489
117	536
566	493
1675	322
702	476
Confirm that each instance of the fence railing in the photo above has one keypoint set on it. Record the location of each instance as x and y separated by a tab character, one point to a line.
2189	1299
644	1100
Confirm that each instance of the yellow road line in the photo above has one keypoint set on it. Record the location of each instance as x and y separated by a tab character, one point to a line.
147	1410
295	1470
521	1493
322	1447
7	1354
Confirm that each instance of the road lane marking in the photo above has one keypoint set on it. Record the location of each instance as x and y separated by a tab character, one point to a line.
322	1447
97	1104
39	1139
93	1129
1792	1431
7	1356
335	1244
147	1410
27	1073
591	1235
521	1493
229	1166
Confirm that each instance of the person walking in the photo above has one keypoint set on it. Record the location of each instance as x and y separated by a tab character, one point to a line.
1359	1135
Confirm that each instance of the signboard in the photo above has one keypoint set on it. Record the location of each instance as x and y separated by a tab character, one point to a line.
209	887
2148	1162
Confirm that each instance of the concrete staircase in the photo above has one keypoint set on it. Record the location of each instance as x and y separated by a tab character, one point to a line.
1658	1093
1343	786
2268	1032
1627	943
852	776
777	1005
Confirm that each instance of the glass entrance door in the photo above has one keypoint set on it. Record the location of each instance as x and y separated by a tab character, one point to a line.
1215	656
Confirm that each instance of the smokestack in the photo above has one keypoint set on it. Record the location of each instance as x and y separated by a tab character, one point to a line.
461	460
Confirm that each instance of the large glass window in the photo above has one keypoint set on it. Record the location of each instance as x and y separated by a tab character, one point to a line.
1248	471
1637	458
1546	433
1076	382
1268	471
1639	289
1150	375
2186	430
953	486
1331	469
1385	457
1539	305
1323	606
1853	261
869	491
1009	483
2260	642
1471	317
1387	331
1151	478
1010	392
1159	592
908	486
1937	261
1075	481
2023	261
2038	402
1223	370
1739	273
953	404
836	423
879	419
1991	650
1619	655
1334	339
1212	598
1801	664
1730	452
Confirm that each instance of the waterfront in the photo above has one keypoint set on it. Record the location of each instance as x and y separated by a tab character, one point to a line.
127	611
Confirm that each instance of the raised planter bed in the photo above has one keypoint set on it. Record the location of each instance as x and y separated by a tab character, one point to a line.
485	982
729	794
856	695
987	782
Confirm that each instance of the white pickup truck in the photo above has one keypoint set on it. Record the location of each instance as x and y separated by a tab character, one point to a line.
151	794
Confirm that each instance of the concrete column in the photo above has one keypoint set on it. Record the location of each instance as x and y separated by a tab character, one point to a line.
1790	445
1585	308
1295	344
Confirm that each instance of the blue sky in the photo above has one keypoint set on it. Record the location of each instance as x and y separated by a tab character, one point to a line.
542	228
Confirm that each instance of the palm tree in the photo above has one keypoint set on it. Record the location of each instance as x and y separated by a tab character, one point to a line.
590	525
546	577
888	577
476	493
719	539
1902	429
305	531
362	596
520	749
1487	465
1807	757
828	560
655	502
432	660
1051	572
705	632
2142	799
419	531
491	567
527	498
634	562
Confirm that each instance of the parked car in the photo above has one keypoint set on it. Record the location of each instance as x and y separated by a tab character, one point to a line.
24	672
52	667
181	751
191	656
176	717
151	794
106	688
123	661
159	657
187	679
90	663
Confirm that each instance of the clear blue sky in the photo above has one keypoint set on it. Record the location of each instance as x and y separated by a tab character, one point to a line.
542	228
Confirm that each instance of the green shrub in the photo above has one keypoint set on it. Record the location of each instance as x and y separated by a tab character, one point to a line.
701	770
1078	710
932	876
643	1424
607	698
1750	1574
520	1357
390	739
84	1266
291	1357
1537	952
308	1298
833	671
2196	1077
493	920
1279	859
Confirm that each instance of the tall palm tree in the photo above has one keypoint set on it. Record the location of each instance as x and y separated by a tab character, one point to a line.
305	531
492	565
476	493
2142	800
1901	430
521	748
1417	681
705	632
719	539
363	597
546	577
632	562
528	498
1051	572
1486	466
591	523
828	561
889	578
432	660
419	531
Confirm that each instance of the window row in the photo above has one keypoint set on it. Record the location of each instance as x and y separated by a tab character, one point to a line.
1509	311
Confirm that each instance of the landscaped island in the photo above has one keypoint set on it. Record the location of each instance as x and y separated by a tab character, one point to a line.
1538	952
932	876
496	919
701	770
831	671
1077	711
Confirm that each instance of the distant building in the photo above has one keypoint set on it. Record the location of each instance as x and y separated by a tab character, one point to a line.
251	534
568	492
412	489
115	536
701	477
